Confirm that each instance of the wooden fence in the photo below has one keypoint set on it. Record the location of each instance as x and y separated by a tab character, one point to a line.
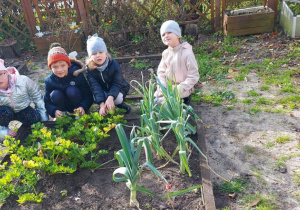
19	18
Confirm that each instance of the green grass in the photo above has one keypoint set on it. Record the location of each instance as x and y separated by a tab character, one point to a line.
249	149
264	101
254	110
240	78
253	93
264	88
234	186
283	139
263	202
270	144
247	101
140	64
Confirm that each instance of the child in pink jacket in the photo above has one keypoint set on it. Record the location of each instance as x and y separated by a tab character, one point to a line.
178	62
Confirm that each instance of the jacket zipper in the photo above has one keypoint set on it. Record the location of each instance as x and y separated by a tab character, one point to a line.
104	80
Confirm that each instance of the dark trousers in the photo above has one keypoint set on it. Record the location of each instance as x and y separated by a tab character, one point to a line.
68	100
26	116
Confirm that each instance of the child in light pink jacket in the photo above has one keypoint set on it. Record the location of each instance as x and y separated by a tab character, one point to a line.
178	63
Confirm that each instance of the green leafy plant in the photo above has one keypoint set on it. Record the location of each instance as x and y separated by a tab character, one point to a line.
129	160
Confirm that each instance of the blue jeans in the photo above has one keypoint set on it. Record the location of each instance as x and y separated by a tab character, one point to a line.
68	100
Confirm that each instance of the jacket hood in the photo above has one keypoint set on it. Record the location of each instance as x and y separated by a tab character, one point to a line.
183	45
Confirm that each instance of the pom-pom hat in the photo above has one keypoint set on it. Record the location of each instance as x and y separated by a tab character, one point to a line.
170	26
57	54
95	44
2	67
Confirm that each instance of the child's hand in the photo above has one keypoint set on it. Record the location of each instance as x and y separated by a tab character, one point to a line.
103	109
58	113
80	110
12	133
110	104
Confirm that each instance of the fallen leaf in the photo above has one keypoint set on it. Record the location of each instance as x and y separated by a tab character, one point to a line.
291	115
232	195
132	60
254	203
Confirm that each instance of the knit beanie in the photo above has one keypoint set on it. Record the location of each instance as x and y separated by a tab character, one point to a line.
57	54
95	44
2	67
170	26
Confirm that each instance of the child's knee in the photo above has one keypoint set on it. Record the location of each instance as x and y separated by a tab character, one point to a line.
6	115
56	96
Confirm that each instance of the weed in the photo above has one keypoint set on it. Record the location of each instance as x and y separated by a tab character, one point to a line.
297	177
263	202
264	87
265	101
224	95
249	149
252	93
140	64
283	139
254	110
34	67
234	186
240	78
270	144
288	89
247	101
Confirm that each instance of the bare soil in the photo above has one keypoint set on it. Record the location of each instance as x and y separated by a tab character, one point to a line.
236	141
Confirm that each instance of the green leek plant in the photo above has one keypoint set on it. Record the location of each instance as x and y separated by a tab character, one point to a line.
179	115
129	160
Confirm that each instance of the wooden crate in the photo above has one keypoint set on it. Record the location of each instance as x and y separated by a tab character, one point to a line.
289	21
249	21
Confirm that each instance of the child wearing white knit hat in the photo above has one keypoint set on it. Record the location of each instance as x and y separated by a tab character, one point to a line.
178	62
105	77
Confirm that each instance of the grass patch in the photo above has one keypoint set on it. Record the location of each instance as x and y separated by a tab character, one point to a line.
254	110
240	78
253	93
249	149
247	101
270	144
140	64
263	202
264	88
264	101
234	186
283	139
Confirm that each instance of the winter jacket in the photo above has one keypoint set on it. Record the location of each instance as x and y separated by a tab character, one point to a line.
179	64
109	80
74	77
25	92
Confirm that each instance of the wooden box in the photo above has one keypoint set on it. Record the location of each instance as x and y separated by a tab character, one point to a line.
252	20
289	21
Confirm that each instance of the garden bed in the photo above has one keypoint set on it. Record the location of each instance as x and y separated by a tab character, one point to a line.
96	190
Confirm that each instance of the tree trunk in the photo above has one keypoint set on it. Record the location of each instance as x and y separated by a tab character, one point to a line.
10	48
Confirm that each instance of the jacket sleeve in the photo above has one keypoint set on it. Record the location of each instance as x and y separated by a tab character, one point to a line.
50	107
87	101
116	82
36	96
3	131
161	70
96	88
193	72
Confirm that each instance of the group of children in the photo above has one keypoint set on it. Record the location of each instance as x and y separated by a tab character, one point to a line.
74	86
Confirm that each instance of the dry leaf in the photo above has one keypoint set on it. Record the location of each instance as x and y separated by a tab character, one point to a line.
254	203
132	60
292	115
232	195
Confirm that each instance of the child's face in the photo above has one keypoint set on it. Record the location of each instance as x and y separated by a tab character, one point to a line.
3	79
60	68
99	57
170	39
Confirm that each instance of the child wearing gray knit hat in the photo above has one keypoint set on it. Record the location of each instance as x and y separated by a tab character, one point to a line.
105	77
170	26
178	63
95	44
